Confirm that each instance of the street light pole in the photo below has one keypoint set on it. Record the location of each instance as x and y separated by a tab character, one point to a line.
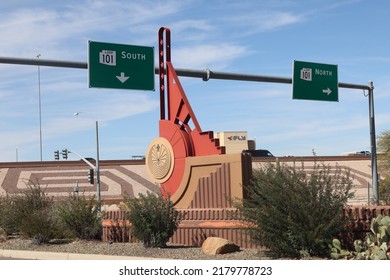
97	167
40	108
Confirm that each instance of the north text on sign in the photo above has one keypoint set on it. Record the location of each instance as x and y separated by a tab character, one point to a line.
323	72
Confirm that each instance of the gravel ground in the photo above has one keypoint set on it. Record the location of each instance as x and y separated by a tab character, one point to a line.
128	249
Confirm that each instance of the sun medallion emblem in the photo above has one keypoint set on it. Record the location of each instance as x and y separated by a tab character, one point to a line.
160	160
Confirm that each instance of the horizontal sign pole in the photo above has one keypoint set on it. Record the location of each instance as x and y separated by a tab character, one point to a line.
202	74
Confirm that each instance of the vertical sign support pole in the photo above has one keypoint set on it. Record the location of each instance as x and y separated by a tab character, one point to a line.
97	167
164	53
373	143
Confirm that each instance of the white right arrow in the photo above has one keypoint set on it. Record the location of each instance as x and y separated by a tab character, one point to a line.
327	91
122	77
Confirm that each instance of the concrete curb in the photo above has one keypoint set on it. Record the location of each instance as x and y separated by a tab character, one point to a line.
40	255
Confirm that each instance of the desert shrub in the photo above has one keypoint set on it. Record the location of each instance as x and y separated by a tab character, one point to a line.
30	214
384	167
3	235
8	217
384	191
296	213
79	216
38	225
153	219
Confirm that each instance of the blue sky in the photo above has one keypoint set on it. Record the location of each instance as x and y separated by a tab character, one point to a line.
260	37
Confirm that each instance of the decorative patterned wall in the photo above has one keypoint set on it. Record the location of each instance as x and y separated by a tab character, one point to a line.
129	177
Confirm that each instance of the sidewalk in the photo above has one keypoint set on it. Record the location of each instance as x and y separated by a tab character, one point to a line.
40	255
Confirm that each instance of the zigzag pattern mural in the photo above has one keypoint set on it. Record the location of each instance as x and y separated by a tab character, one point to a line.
115	181
129	178
360	173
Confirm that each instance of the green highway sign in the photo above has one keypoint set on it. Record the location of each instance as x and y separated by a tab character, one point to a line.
119	66
315	81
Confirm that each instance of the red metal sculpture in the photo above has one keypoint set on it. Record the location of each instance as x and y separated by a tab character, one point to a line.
178	140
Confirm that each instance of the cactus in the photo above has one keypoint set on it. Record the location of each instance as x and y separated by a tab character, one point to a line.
337	252
375	247
377	243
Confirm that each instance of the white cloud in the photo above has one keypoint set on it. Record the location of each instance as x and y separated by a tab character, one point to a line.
268	21
49	31
207	55
259	19
185	29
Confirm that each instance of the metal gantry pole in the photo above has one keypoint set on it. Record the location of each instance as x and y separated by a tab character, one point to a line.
374	165
205	74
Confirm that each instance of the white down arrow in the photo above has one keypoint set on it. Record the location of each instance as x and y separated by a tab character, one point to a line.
122	77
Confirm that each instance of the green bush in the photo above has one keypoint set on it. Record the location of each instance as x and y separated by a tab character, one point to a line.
39	226
153	219
296	213
384	167
384	191
30	214
35	215
79	216
8	217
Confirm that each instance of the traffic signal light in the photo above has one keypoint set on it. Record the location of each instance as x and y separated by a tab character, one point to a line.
90	176
65	154
56	155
